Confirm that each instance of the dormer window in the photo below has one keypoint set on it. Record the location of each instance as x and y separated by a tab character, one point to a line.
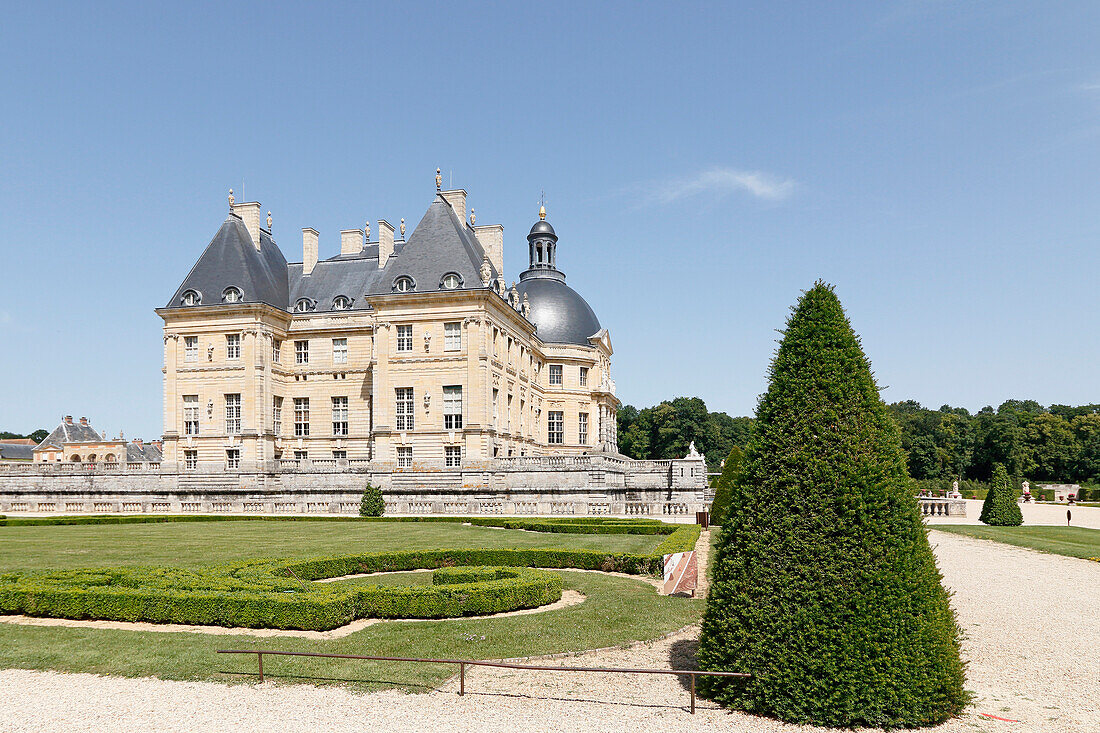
191	297
232	295
451	281
341	303
404	284
303	305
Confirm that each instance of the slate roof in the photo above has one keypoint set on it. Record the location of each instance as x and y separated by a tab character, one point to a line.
232	260
74	433
16	452
147	452
560	314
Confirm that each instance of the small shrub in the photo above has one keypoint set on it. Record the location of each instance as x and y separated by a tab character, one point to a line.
1000	508
372	504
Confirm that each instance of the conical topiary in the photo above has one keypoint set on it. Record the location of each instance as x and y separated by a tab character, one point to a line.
1000	508
723	488
824	586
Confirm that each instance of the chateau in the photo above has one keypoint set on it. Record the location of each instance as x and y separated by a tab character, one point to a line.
413	354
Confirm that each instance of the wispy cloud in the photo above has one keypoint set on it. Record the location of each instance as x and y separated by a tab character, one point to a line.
724	181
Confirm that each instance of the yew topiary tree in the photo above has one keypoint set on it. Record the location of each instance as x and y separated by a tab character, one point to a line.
723	488
372	504
1000	508
824	585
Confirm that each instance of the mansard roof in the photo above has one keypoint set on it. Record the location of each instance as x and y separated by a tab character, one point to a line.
440	244
71	433
231	260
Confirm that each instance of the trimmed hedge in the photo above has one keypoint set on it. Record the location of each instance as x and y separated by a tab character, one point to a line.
268	594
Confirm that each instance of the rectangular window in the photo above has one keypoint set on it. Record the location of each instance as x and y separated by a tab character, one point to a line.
301	417
301	455
404	408
340	455
190	459
232	458
404	456
277	415
555	375
452	408
452	456
232	414
555	426
452	336
584	376
190	414
496	406
404	338
582	428
276	350
233	346
339	415
339	351
301	352
190	348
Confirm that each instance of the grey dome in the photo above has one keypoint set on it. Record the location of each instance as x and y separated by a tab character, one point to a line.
543	228
560	314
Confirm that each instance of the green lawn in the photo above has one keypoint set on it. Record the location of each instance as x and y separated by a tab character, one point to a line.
617	610
187	544
1069	541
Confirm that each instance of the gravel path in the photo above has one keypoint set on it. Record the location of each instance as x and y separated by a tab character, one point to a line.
1033	646
1034	515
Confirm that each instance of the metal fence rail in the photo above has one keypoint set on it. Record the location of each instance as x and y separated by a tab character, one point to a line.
462	664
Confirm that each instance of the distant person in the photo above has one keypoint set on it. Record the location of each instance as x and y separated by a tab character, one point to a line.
1069	516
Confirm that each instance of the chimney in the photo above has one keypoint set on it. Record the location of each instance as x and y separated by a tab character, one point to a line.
68	419
309	250
385	242
84	421
157	444
351	241
138	442
457	200
491	238
250	215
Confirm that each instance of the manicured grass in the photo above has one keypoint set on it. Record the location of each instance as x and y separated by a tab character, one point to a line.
1069	541
617	610
191	544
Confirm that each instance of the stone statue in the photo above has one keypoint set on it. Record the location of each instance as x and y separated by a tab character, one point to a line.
486	272
526	306
1027	487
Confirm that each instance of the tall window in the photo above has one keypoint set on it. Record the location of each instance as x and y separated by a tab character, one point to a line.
404	408
190	348
555	426
190	414
404	456
452	456
452	336
339	415
232	414
555	375
496	406
452	408
190	459
582	428
276	350
233	346
404	338
277	415
339	351
584	376
301	352
232	458
301	417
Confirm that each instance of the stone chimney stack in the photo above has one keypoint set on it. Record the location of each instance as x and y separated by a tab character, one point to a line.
385	242
309	250
351	241
250	215
139	442
457	200
84	421
68	419
491	238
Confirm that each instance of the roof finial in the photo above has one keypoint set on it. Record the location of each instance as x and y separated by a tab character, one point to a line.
366	231
473	216
231	198
542	205
402	227
438	180
269	221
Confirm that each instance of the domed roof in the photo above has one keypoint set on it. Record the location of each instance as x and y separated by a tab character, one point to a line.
542	228
559	313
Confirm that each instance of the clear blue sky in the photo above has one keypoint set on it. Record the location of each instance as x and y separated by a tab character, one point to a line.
938	162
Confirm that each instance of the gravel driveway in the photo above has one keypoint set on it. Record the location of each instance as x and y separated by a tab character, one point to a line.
1033	645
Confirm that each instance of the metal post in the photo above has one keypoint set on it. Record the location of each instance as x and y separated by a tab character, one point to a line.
461	678
693	694
260	662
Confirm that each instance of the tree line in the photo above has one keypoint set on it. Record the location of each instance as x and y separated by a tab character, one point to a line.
1059	444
